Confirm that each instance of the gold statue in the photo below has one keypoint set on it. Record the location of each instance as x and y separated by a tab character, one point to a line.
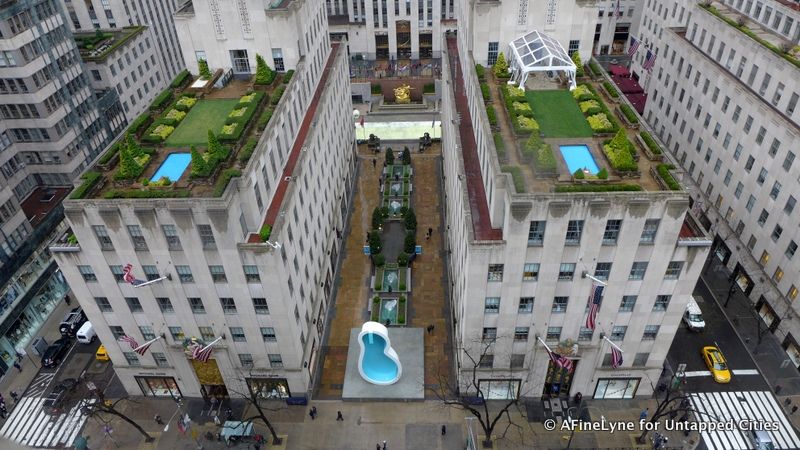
402	94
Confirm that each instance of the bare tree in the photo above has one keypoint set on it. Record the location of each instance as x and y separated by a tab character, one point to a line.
253	398
467	394
100	407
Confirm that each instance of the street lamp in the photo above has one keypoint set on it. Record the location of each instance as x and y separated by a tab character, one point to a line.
178	401
580	408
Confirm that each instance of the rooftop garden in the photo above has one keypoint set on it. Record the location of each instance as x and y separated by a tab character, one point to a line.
189	143
96	46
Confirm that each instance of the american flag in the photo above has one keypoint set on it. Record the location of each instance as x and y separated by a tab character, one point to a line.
560	361
617	11
140	349
131	341
128	276
362	122
649	61
202	353
616	357
634	46
595	296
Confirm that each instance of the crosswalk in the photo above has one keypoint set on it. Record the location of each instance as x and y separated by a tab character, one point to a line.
29	425
39	384
752	407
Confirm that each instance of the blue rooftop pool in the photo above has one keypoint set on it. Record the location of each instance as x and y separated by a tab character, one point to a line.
578	157
173	167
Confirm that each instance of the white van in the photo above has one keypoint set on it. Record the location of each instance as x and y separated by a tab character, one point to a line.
693	317
86	334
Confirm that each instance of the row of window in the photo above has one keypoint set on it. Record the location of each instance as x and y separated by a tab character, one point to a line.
566	272
245	359
251	273
585	334
536	232
518	360
228	305
170	234
492	304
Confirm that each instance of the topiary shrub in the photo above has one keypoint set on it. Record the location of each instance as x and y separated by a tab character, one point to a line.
669	180
375	245
522	109
265	232
406	156
528	125
602	174
500	67
516	94
402	261
264	75
410	220
377	218
650	142
599	123
200	167
629	114
582	93
619	152
132	160
202	67
389	156
590	107
612	91
576	58
579	175
379	260
410	242
480	71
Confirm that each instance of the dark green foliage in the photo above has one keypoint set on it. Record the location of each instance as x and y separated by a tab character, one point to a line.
375	245
611	117
205	72
650	142
110	153
379	260
516	176
410	220
410	243
264	118
161	100
480	71
389	156
180	79
200	167
629	113
620	153
90	180
663	172
376	89
596	69
499	145
277	94
264	75
288	76
540	154
406	156
487	96
147	193
402	260
138	123
129	167
500	67
247	150
579	175
490	112
265	232
576	58
603	174
377	218
429	88
612	91
598	188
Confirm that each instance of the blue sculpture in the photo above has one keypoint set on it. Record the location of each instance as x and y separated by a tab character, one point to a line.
378	363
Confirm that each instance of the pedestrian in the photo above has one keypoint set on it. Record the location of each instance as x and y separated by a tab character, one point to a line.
228	414
314	409
17	366
14	396
430	328
444	430
374	162
19	356
378	446
787	401
794	409
643	414
67	300
216	420
339	416
158	420
367	236
384	445
778	388
311	414
430	231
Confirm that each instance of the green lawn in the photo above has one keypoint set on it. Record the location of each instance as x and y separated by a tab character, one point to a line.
205	115
558	114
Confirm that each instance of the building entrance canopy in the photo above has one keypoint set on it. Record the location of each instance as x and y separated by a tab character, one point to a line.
538	52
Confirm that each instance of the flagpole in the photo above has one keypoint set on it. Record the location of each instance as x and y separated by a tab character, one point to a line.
613	344
596	280
545	345
151	281
210	344
147	343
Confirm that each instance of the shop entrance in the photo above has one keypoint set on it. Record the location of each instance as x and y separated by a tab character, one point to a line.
218	391
210	378
558	380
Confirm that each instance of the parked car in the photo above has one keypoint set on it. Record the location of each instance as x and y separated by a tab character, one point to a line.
72	322
53	404
55	353
716	364
101	354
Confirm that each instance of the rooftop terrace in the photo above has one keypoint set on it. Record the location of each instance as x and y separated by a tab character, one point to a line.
96	46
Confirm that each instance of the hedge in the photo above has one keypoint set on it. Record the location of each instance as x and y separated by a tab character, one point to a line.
429	88
485	93
265	232
242	121
540	154
492	115
147	193
619	152
499	145
651	143
180	79
247	150
596	69
90	180
663	172
480	71
516	175
288	76
138	123
614	123
161	100
598	188
612	91
224	179
277	94
264	119
109	154
629	113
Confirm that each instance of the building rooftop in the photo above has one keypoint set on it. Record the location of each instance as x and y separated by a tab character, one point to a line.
96	46
41	202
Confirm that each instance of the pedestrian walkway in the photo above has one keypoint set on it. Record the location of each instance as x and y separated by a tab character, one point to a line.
29	425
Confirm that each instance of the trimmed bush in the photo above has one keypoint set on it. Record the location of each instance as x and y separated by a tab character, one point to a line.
204	71
264	119
265	232
185	103
609	116
595	68
527	125
200	167
264	75
180	79
499	145
650	142
600	123
576	58
139	123
375	245
287	77
629	113
582	93
619	152
669	180
389	156
612	91
579	175
405	157
598	188
377	218
516	176
247	150
237	120
480	71
492	115
590	107
487	96
147	193
602	174
516	94
500	67
90	180
410	220
410	242
402	261
277	94
429	88
161	100
379	260
223	180
522	109
540	154
376	89
109	154
132	160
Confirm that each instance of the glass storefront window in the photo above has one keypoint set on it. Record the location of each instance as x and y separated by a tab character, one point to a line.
611	388
269	388
159	387
499	389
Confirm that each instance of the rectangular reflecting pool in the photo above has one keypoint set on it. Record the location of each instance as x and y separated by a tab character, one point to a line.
578	157
173	167
389	310
390	280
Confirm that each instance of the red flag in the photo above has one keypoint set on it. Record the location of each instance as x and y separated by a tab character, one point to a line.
616	357
594	305
362	122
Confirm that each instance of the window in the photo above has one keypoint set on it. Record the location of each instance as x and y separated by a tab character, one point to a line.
649	231
116	271
495	272
228	305
728	176
536	233
277	59
640	359
774	147
489	334
574	45
650	332
150	272
102	237
778	275
147	333
132	358
196	304
218	274
736	113
748	124
674	270
574	231
88	274
738	192
268	334
638	270
762	218
525	305
103	304
491	305
559	304
611	233
260	305
491	56
134	305
566	271
137	238
618	332
160	359
627	304
791	249
762	176
164	305
789	207
748	166
737	152
185	274
764	258
486	361
662	301
251	274
517	361
553	334
207	333
207	237
775	191
173	241
792	293
787	162
246	359
521	333
585	334
177	333
237	333
602	270
530	272
116	331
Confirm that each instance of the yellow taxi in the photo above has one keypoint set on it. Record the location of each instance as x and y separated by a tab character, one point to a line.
101	354
716	364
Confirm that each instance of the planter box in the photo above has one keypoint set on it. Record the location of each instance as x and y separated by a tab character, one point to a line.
621	116
608	94
646	149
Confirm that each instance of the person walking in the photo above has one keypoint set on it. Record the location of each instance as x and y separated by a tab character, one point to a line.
430	232
444	430
17	366
158	420
311	414
14	396
374	162
430	328
384	445
794	409
643	414
339	416
378	446
314	410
